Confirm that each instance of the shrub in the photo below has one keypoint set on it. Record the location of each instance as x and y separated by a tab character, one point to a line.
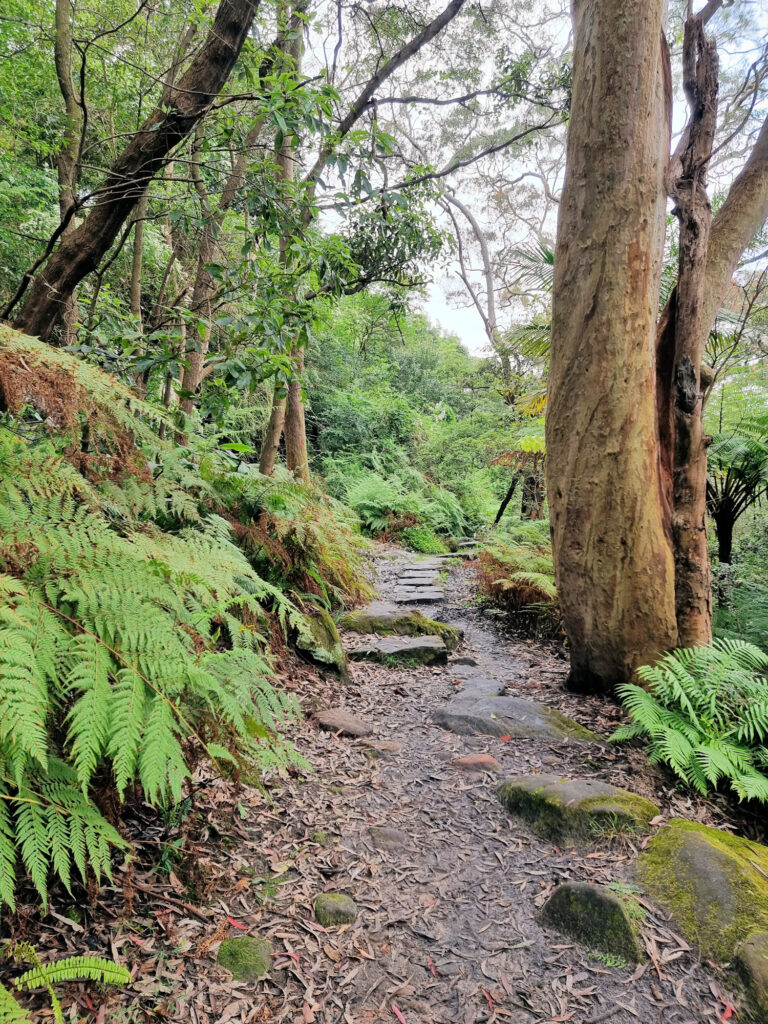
705	714
420	538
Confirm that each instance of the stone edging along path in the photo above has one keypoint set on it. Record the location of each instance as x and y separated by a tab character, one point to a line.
512	881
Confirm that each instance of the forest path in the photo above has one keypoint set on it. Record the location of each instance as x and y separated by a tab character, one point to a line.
447	884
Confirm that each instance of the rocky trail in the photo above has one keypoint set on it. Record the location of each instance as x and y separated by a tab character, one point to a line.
397	882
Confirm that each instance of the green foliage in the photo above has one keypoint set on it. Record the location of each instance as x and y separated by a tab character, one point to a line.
73	968
514	568
705	714
131	624
419	538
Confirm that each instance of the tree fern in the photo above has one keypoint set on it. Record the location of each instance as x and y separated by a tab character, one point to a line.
705	714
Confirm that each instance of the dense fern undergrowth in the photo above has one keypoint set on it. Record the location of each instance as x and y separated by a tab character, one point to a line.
140	597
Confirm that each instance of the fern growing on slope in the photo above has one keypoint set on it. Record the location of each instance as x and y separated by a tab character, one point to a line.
116	648
705	714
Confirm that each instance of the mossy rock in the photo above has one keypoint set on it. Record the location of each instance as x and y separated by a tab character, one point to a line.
752	964
246	956
319	639
597	918
714	885
385	621
403	651
575	809
333	908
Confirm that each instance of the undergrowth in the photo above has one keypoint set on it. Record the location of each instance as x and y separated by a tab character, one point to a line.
134	630
514	570
704	712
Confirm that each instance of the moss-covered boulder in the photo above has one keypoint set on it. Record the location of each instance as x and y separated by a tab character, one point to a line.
403	650
752	963
713	884
246	956
385	620
318	638
559	808
333	908
594	916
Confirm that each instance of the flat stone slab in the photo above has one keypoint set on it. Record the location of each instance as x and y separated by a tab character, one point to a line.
404	650
510	716
559	808
713	884
383	619
420	595
417	579
339	720
595	916
474	682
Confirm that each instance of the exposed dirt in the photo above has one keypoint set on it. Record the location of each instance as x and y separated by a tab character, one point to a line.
447	929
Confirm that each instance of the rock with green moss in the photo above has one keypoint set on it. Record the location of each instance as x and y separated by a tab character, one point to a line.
752	963
509	716
318	638
594	916
387	620
246	956
714	885
403	650
562	809
332	908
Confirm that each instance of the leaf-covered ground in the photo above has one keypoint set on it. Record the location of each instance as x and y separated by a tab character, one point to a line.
447	927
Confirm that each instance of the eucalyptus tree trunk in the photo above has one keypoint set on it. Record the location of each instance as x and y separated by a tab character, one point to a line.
613	558
693	585
296	457
68	156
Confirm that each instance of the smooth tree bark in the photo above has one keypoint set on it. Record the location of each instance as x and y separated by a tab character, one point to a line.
80	252
613	559
693	586
68	156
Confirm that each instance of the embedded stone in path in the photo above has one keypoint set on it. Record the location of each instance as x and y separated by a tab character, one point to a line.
386	838
339	720
594	916
714	884
474	682
417	579
477	763
246	956
332	908
419	595
559	808
404	650
386	619
509	716
752	962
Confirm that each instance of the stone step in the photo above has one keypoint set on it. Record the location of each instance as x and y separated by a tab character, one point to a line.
509	716
403	650
419	595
